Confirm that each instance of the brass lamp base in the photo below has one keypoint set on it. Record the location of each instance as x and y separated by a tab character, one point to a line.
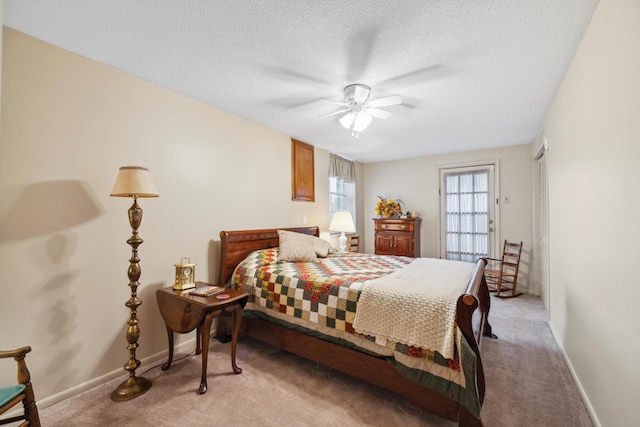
131	388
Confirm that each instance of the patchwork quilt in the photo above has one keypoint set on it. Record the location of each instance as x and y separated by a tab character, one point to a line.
323	292
322	297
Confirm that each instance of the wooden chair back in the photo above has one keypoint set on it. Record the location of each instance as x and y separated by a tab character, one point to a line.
353	244
22	393
504	277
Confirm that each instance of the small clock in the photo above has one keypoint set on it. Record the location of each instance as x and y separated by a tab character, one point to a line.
185	275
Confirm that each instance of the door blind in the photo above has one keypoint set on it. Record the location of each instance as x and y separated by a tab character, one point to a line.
467	215
542	231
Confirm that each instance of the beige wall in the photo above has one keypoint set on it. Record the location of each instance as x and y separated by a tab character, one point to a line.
416	182
593	128
68	125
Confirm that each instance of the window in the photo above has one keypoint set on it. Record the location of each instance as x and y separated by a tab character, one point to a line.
342	187
341	196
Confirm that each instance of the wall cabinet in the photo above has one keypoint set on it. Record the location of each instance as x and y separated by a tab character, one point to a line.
397	236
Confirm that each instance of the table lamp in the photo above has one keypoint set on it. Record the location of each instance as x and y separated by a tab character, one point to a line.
342	222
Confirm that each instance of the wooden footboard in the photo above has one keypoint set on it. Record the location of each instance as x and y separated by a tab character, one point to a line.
472	318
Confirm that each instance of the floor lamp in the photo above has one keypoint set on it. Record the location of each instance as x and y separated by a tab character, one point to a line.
342	222
133	181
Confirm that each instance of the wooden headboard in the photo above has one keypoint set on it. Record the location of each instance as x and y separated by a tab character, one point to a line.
236	245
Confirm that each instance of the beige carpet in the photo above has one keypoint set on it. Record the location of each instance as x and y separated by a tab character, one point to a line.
528	384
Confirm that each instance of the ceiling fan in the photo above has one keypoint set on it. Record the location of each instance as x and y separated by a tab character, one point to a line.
358	109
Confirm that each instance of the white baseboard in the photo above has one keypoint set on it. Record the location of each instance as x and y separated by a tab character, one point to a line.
147	361
576	380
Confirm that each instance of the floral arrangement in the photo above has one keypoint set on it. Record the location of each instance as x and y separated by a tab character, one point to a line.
387	207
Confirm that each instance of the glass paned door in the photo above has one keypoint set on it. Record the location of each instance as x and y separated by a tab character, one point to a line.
467	213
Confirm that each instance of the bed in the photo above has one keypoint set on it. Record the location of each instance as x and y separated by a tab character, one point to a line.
452	388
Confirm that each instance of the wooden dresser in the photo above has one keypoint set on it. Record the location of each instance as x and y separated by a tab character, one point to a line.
397	236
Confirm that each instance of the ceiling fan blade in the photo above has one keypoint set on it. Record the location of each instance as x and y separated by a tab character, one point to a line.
334	113
347	119
378	113
386	101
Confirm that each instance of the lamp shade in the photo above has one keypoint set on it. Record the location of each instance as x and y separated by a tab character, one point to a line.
134	181
342	221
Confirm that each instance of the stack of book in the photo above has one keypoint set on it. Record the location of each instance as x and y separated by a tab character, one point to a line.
207	291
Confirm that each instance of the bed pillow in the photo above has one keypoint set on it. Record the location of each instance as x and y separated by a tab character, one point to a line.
321	246
295	247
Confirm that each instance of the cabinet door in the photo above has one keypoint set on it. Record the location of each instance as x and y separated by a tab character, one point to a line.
384	244
403	245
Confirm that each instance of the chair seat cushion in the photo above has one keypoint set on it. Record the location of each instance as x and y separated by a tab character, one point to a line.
8	393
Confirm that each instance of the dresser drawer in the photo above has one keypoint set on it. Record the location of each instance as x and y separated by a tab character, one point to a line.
390	225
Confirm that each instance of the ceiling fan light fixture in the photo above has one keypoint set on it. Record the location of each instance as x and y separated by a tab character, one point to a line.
361	121
348	119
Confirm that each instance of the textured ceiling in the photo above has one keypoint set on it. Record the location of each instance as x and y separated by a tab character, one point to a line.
473	74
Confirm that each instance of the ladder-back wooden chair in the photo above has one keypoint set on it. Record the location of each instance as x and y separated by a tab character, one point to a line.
353	245
502	274
20	393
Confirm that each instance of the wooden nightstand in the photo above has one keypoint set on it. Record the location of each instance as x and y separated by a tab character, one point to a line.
183	313
397	236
